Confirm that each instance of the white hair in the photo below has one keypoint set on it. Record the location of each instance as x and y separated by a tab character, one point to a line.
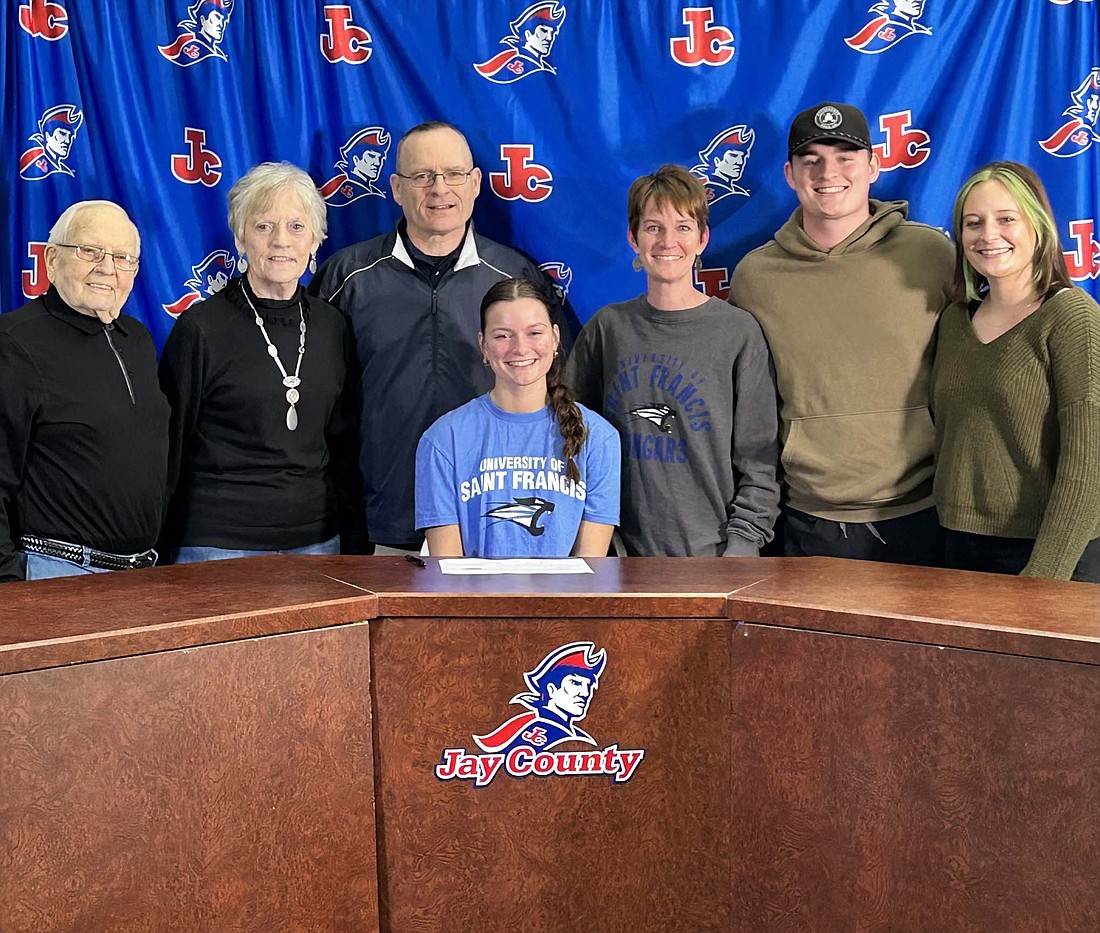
260	183
59	232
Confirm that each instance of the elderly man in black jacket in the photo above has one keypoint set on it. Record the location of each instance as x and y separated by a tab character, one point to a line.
83	423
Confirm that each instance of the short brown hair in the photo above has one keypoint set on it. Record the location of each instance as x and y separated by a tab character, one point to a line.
670	184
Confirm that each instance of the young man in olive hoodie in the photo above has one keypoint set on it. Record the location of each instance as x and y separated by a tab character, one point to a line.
848	295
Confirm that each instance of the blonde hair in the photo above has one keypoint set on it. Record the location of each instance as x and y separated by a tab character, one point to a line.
1048	265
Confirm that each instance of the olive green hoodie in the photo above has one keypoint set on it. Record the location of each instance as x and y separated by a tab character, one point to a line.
851	332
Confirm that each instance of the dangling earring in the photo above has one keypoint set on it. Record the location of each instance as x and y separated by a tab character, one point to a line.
313	264
699	261
242	264
637	264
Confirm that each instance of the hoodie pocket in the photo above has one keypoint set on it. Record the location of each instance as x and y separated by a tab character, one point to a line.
860	460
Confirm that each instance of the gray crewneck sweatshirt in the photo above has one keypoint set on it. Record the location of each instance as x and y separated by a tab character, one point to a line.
692	395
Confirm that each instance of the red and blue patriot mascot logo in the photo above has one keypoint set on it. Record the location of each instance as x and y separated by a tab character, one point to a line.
723	162
529	41
359	167
561	277
207	278
1081	130
201	33
57	129
893	21
559	690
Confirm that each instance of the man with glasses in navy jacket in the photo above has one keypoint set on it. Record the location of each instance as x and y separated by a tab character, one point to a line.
412	297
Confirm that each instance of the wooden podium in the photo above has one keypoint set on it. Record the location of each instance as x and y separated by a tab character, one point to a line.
289	744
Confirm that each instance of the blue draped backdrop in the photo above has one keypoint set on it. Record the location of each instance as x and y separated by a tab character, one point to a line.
162	105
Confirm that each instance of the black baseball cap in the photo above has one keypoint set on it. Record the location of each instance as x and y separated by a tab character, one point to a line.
829	122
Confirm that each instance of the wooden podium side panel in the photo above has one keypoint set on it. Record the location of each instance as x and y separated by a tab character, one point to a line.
221	788
886	786
554	853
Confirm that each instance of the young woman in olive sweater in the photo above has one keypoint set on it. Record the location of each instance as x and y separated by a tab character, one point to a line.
1016	390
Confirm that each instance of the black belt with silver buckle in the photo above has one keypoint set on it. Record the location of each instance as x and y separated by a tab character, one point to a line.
74	553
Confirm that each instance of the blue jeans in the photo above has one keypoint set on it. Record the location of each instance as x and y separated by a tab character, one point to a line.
192	555
40	567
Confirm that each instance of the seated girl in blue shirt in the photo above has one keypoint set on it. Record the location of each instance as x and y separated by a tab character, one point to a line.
523	470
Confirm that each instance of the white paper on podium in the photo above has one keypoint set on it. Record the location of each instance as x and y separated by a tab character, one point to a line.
485	566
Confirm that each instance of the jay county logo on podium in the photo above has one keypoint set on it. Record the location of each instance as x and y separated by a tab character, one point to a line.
559	691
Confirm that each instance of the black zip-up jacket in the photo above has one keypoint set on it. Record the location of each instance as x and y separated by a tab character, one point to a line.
417	349
83	431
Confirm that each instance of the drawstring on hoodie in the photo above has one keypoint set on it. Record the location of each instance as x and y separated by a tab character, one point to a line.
869	526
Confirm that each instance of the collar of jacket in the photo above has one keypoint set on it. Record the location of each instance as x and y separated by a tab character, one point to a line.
467	256
56	305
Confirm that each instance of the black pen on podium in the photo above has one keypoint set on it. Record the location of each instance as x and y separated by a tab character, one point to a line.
413	559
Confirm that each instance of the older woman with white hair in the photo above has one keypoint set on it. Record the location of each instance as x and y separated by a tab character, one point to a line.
263	449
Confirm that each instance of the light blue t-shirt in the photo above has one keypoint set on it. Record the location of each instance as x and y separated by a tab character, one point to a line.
500	476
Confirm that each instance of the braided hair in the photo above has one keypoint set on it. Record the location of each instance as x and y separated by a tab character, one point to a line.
562	405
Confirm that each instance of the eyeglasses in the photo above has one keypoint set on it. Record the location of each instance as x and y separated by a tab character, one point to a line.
124	262
452	177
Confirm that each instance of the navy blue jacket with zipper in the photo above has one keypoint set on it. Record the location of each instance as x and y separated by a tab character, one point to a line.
418	355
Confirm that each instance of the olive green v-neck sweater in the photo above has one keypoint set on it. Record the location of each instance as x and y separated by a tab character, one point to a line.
1018	430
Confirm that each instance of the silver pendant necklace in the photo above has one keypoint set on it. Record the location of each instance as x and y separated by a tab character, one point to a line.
291	382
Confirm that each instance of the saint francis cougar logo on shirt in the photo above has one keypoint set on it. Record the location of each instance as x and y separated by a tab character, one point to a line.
531	37
559	690
661	415
524	511
893	21
57	129
201	33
